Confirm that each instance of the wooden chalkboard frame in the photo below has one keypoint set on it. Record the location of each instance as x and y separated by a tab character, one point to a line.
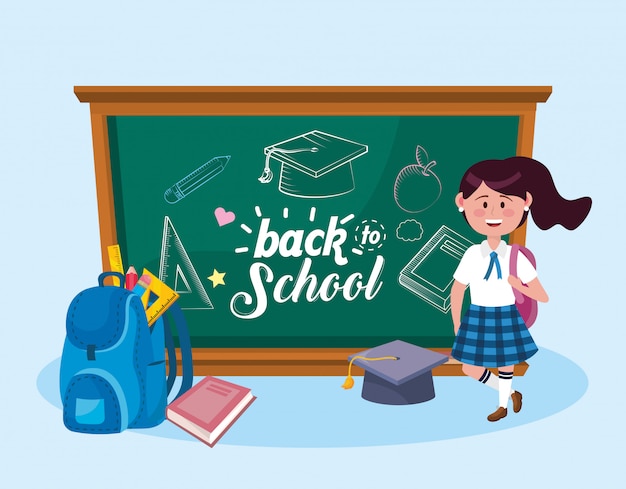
104	101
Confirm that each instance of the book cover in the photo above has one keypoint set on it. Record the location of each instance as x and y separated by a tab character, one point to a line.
429	273
209	408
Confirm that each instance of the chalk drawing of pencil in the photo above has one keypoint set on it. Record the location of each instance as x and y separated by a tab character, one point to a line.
195	179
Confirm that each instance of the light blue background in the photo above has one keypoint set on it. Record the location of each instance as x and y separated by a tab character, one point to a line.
50	241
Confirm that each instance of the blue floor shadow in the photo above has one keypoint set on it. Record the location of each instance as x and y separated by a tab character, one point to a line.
316	412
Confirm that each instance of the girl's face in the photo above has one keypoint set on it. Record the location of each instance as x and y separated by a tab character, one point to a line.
491	213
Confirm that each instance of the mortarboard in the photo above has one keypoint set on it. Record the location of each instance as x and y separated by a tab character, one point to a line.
403	377
314	164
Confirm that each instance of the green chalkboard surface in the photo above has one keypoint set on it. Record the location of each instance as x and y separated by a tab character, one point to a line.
301	231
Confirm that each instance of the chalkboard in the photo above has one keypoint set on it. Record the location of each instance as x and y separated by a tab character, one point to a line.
291	232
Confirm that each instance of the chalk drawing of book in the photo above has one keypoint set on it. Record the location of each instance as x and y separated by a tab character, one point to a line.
177	272
313	165
429	273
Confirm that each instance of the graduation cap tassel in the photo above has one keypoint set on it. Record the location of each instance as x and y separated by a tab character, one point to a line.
349	382
267	175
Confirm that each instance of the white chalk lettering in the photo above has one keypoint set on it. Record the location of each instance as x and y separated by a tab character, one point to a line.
307	286
259	290
290	244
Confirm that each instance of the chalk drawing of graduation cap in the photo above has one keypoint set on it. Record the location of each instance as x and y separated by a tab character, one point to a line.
313	165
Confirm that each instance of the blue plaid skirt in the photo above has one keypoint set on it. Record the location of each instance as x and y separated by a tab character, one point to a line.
493	337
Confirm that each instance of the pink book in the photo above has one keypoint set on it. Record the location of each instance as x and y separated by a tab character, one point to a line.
209	408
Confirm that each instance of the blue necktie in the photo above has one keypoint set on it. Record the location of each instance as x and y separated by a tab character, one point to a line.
494	260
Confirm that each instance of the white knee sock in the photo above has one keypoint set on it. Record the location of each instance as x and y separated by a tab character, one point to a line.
505	381
490	380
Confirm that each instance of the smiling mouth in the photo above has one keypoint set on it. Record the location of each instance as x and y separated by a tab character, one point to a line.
493	222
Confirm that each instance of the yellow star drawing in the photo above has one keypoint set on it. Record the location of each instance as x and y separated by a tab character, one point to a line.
217	278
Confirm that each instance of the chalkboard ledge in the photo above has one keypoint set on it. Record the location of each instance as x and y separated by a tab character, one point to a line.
296	361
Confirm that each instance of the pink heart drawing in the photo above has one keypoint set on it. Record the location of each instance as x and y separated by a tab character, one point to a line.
224	217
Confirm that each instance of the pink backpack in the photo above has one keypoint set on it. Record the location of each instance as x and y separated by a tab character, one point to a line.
526	306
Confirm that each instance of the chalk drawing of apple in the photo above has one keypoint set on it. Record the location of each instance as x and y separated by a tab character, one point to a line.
417	187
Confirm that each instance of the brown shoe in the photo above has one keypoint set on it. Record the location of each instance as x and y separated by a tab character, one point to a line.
497	414
516	397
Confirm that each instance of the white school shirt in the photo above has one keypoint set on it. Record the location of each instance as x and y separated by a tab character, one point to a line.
493	292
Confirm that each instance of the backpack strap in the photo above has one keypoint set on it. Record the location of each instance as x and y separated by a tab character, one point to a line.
171	355
184	340
527	306
515	249
513	264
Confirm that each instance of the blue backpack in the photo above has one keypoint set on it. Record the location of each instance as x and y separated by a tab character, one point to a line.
113	372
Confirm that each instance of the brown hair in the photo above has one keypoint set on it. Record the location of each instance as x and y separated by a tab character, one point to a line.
518	175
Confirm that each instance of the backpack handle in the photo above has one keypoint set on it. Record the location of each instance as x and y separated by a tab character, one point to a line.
104	275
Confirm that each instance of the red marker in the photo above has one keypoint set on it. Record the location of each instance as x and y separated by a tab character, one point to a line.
131	278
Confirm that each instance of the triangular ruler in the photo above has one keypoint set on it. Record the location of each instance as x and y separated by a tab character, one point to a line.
178	273
155	296
181	284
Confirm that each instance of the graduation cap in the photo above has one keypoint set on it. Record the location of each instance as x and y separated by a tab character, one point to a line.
315	164
405	377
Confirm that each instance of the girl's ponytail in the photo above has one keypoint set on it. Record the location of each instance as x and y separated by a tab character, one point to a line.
549	207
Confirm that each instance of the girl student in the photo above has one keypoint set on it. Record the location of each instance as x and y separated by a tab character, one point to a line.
496	196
